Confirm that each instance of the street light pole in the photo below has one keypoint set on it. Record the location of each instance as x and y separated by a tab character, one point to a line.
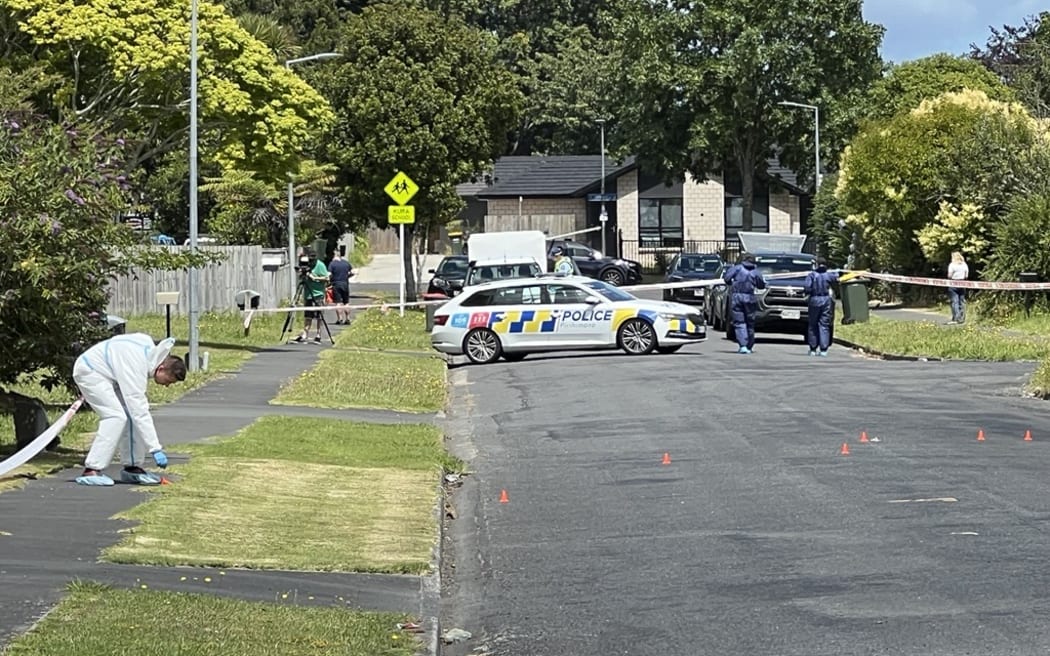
291	183
194	361
603	217
816	137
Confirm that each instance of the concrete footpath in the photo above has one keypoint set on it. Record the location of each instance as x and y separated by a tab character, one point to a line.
52	530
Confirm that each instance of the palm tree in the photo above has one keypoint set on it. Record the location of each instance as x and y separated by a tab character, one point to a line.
277	37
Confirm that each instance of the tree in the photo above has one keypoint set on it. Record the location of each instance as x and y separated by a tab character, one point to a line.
61	188
253	211
1020	57
124	65
417	93
938	178
907	85
700	84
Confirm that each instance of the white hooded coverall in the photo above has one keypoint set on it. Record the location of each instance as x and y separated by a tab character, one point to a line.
112	375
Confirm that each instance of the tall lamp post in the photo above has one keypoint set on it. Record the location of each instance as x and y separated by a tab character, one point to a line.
603	216
816	138
194	362
291	185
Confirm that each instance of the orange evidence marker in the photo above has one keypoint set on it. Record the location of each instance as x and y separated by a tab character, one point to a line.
1028	435
503	497
844	451
666	460
980	434
164	481
864	437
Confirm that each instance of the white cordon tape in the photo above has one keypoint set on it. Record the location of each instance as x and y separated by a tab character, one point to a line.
29	451
960	284
248	314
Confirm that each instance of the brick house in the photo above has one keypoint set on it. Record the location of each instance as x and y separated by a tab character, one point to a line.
561	194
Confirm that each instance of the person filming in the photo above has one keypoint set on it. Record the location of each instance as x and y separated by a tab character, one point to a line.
314	282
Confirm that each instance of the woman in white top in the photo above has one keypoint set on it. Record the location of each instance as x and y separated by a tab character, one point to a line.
958	270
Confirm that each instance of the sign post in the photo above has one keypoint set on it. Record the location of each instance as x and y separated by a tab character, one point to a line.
401	189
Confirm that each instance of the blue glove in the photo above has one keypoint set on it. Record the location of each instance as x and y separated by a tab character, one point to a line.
160	458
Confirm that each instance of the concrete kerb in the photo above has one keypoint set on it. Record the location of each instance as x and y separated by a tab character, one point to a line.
884	356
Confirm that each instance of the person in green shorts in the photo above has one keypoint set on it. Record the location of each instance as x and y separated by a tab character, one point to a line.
314	285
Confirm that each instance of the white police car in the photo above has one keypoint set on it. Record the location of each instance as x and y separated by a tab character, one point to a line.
512	318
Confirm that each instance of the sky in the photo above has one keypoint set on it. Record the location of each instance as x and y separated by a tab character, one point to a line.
916	28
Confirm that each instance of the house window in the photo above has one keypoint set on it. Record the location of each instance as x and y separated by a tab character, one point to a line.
735	207
660	221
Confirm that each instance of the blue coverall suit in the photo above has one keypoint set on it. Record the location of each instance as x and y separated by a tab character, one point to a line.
743	280
821	308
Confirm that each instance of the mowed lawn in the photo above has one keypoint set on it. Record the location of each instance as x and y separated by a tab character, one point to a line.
359	374
97	621
298	493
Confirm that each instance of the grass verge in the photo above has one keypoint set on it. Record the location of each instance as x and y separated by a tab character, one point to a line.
374	329
355	379
298	493
928	339
75	440
1039	383
96	621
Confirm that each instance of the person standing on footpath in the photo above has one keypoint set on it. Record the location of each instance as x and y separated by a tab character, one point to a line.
340	271
821	307
958	270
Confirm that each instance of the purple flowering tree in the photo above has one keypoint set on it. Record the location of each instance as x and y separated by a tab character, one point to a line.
61	186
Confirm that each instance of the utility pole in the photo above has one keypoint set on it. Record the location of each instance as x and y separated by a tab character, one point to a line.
603	216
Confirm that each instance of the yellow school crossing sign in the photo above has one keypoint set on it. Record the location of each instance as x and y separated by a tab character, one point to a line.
401	188
400	214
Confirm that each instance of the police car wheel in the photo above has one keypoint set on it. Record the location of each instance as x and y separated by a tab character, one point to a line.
613	277
636	337
514	357
482	346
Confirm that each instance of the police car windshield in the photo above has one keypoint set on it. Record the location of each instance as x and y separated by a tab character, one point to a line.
489	272
770	265
608	291
452	267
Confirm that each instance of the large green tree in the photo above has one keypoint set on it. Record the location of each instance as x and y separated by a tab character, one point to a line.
907	85
938	178
1020	57
416	93
702	81
125	65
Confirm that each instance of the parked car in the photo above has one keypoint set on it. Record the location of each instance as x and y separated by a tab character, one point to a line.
781	305
449	275
691	266
594	264
514	317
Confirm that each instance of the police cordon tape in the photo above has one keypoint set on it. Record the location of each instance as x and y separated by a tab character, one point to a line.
845	276
249	314
29	451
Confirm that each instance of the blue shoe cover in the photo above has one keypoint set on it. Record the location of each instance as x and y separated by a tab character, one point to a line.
823	354
98	480
743	350
139	479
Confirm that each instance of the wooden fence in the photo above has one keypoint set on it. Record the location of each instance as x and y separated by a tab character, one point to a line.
552	224
241	269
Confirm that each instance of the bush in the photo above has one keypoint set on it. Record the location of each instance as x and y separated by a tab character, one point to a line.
1022	244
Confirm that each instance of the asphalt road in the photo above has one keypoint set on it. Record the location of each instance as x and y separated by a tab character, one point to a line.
758	538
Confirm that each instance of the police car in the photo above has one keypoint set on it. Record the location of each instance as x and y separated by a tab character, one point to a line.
512	318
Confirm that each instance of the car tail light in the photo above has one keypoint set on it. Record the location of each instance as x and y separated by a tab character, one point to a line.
440	319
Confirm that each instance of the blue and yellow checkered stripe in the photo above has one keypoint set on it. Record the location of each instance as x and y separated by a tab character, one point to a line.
523	321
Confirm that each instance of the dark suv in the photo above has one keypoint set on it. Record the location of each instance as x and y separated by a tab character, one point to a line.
594	264
449	276
782	303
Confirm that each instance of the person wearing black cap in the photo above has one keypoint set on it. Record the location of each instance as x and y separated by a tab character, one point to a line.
743	280
821	307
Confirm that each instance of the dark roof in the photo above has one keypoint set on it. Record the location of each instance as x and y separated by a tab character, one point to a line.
570	176
543	175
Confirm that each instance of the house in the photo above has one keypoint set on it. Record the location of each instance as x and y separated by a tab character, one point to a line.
561	194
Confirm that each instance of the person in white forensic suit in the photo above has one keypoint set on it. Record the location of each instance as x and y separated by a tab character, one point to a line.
112	376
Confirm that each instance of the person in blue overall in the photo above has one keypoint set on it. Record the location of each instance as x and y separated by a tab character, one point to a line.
821	307
743	280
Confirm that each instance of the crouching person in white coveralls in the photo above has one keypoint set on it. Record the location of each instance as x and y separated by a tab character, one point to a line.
112	375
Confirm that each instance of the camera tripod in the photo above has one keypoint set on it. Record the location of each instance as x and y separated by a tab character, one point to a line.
300	293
